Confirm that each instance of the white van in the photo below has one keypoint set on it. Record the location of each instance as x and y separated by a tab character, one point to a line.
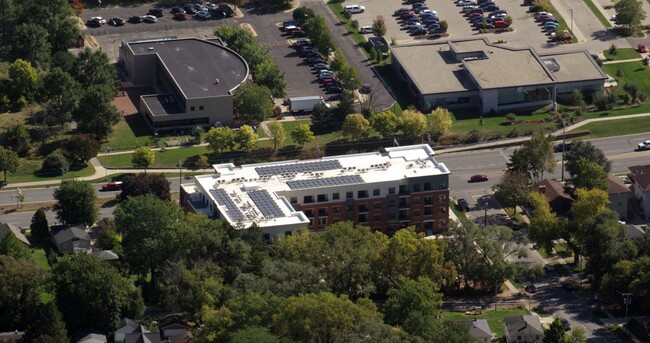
365	29
355	9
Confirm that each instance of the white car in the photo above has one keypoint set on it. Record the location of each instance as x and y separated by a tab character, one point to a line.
204	14
355	9
211	6
149	18
99	20
365	29
645	145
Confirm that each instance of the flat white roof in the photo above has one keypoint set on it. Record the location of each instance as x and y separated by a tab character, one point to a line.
256	189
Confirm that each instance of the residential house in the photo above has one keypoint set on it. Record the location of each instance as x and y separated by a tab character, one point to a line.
185	337
7	228
523	329
93	338
127	326
479	329
556	195
12	336
142	337
640	177
106	255
173	325
71	240
619	196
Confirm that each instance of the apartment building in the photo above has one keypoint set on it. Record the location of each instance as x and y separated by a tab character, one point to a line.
386	190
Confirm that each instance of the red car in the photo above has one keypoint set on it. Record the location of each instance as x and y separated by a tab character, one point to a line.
181	16
112	186
478	178
642	48
500	24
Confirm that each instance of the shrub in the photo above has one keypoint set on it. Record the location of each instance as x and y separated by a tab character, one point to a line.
473	136
19	104
612	49
513	133
55	163
355	24
511	117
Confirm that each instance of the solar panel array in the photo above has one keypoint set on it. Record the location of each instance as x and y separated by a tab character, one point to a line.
325	182
224	200
298	167
265	203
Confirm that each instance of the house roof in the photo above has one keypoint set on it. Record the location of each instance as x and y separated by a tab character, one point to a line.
70	233
106	255
615	185
173	320
635	231
641	175
138	337
11	336
552	189
478	328
93	338
184	337
5	228
519	323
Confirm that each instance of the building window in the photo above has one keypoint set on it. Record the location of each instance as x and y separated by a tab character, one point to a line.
442	197
191	108
363	208
442	223
391	216
443	210
336	196
376	217
416	213
362	194
293	200
427	186
200	108
416	187
403	215
336	209
403	189
416	200
376	192
322	221
309	213
322	212
391	190
308	199
321	197
267	238
428	200
349	195
428	226
428	210
363	218
376	205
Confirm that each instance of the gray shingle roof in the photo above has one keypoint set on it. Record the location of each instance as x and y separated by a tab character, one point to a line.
5	228
73	232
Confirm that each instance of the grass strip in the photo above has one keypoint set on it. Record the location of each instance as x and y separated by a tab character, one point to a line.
598	13
621	54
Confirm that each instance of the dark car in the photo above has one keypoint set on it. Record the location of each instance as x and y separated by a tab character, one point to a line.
189	9
419	32
486	4
333	89
177	10
135	19
158	12
117	21
531	288
463	205
491	8
93	23
298	34
478	178
432	31
566	324
562	146
475	10
567	287
315	60
400	11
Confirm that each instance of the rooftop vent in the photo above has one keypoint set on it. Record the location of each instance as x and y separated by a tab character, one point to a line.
551	64
150	48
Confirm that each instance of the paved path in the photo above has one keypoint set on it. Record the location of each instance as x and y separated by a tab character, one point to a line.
624	61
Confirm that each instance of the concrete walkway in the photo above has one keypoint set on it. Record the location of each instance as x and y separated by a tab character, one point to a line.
624	61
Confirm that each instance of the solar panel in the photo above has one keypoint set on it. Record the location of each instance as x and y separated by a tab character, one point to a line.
223	199
325	182
265	203
299	167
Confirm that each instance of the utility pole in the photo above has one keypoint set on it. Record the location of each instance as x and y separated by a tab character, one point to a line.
563	144
180	173
106	150
486	199
627	300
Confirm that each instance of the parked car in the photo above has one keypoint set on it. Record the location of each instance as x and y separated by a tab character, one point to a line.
158	12
478	178
365	29
96	22
112	186
486	4
355	9
400	11
175	10
203	15
189	9
645	145
500	24
181	16
333	89
465	2
117	21
417	5
642	48
135	19
419	32
491	8
501	16
321	66
566	324
406	15
412	26
561	146
149	18
531	288
433	31
474	15
463	205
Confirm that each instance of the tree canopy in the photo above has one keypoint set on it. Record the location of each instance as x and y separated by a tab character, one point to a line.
302	134
535	157
76	203
253	102
143	157
585	150
143	183
276	133
356	126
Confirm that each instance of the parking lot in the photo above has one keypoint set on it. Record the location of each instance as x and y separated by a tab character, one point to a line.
527	32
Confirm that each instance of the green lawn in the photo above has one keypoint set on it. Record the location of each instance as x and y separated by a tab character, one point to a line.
634	72
616	127
493	125
38	255
621	54
494	318
130	132
164	159
598	14
30	170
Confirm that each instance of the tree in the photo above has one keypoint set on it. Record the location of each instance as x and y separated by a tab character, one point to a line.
39	227
585	150
629	13
412	123
9	162
589	175
321	317
107	235
95	113
439	121
16	138
605	244
444	26
349	77
276	133
253	102
246	138
379	26
318	32
187	290
323	119
269	74
198	133
254	334
143	157
78	279
534	158
60	93
23	80
150	234
409	297
385	123
282	278
356	127
55	163
302	134
588	204
12	246
202	162
545	226
142	184
512	190
94	68
78	7
45	325
76	203
577	335
220	138
22	283
64	34
7	15
79	149
633	91
30	43
302	14
555	332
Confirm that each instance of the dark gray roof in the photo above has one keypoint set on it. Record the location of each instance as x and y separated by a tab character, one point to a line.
519	323
93	338
73	232
138	337
478	328
6	228
196	64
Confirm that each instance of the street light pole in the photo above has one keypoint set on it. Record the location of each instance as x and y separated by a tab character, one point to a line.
563	145
627	300
106	150
485	208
